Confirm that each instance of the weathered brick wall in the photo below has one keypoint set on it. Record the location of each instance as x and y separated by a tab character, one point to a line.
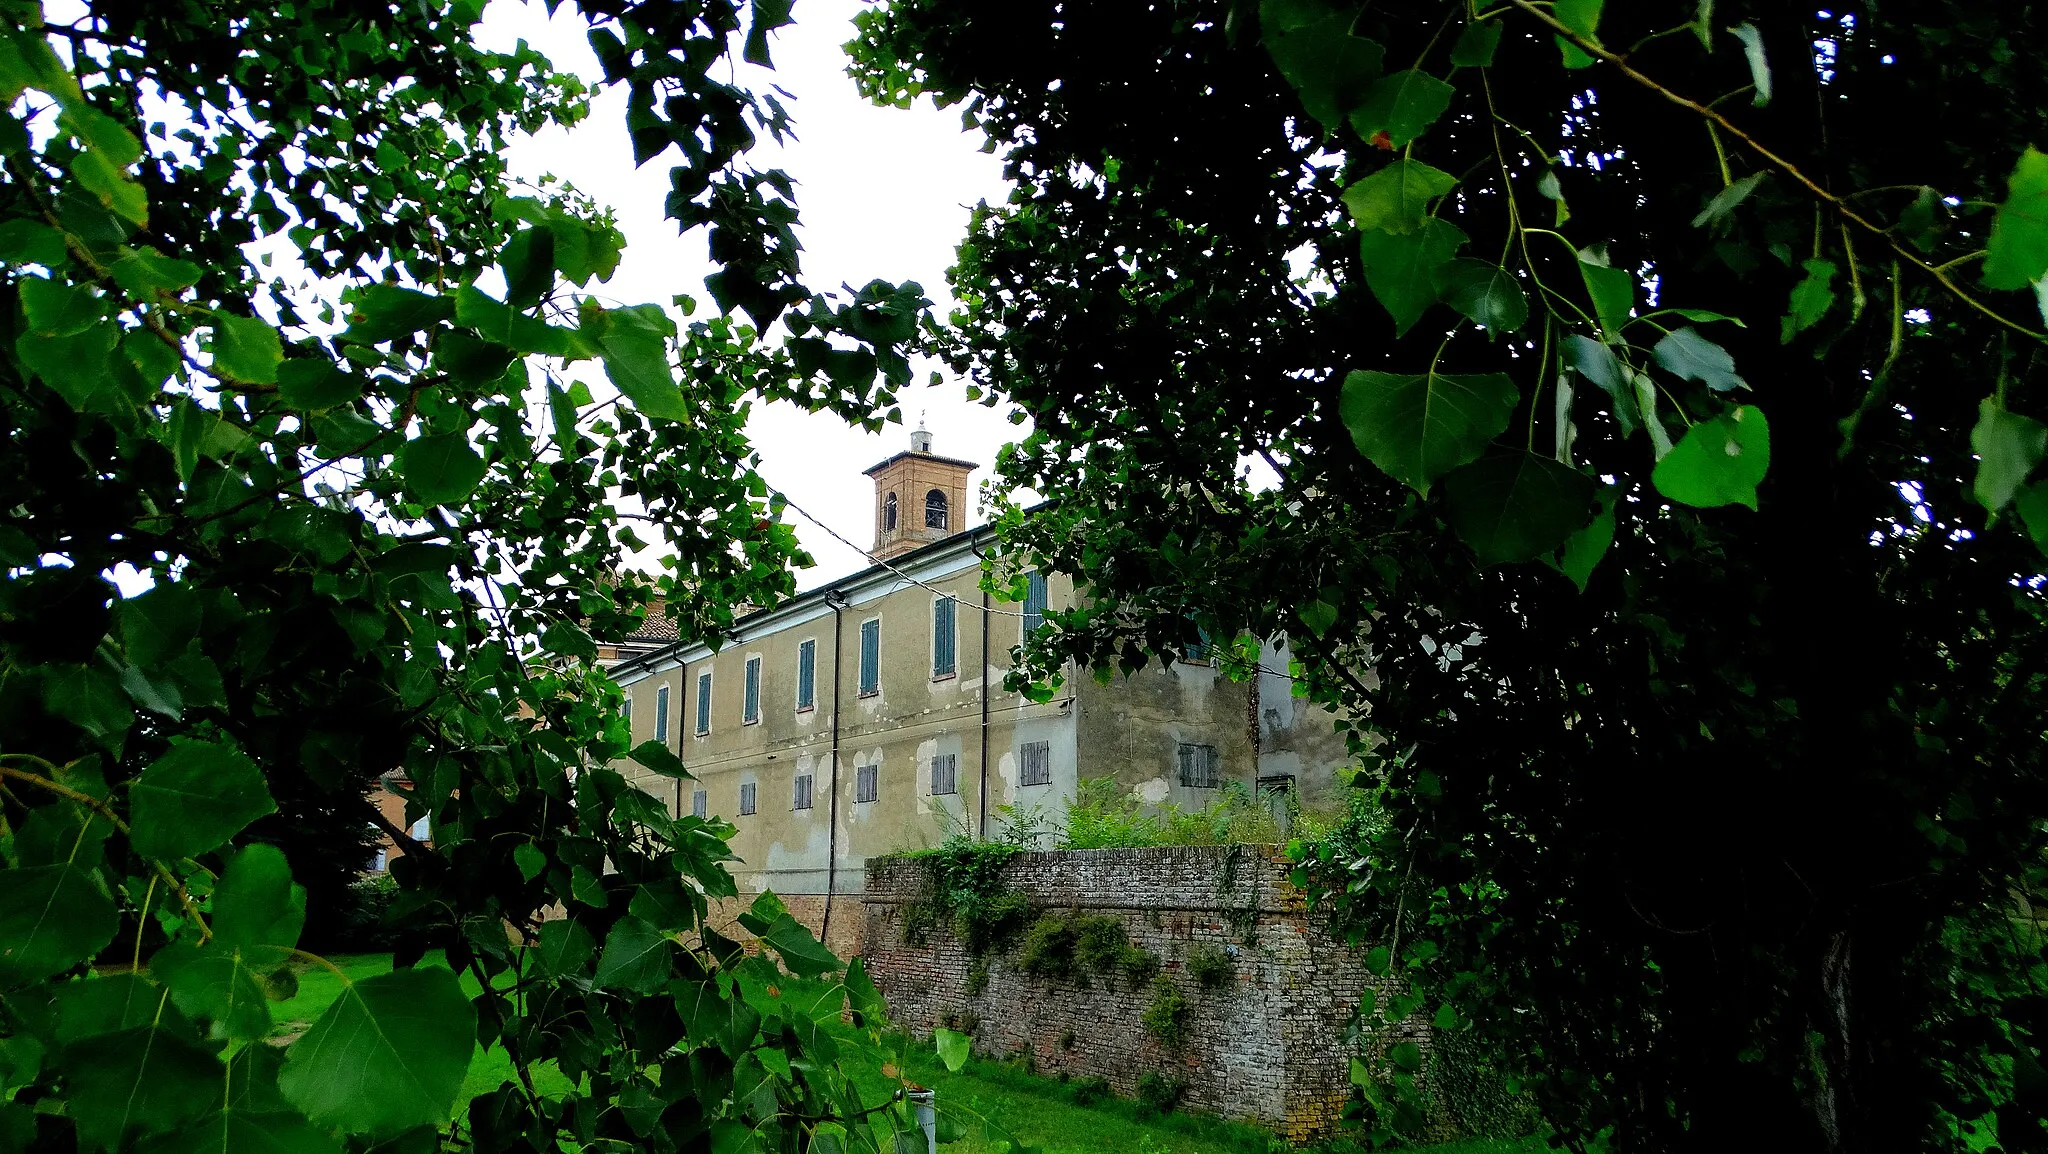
1269	1047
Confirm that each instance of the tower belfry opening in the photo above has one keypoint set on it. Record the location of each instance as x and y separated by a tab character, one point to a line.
920	497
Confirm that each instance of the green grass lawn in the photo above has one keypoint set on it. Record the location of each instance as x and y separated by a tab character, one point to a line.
992	1100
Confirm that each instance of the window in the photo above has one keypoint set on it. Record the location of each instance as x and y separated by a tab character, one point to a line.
1034	602
421	830
945	612
806	676
1196	649
1034	763
946	773
383	859
867	783
703	703
870	658
627	713
801	798
935	509
750	709
700	804
747	791
1198	766
661	714
889	513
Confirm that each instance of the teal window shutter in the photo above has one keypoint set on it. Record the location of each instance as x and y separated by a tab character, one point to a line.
943	634
807	675
1034	602
870	657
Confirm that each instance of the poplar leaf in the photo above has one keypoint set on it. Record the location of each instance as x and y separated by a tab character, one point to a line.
1515	505
1718	462
2017	253
246	349
389	1054
1759	67
1403	106
194	798
2008	446
1396	198
441	469
1419	427
952	1046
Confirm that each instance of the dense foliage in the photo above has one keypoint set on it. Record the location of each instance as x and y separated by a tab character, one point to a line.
1648	396
291	359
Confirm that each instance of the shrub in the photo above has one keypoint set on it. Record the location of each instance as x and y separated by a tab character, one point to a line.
1210	965
977	977
1048	949
1161	1092
361	927
1140	966
1088	1091
1166	1019
965	891
1099	942
1066	1043
1104	816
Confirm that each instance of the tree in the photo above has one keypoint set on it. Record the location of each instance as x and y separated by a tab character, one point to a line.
1621	374
366	523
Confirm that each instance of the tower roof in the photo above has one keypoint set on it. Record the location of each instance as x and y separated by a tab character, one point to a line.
876	468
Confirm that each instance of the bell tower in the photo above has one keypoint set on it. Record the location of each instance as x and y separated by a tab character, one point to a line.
920	497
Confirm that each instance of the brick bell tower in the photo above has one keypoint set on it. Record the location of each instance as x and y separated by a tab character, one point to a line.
920	497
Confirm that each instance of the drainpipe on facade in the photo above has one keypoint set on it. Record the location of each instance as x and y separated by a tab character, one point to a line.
981	826
837	601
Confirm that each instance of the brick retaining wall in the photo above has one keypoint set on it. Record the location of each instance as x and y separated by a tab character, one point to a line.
1269	1047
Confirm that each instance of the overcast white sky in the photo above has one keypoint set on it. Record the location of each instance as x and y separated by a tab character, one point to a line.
884	193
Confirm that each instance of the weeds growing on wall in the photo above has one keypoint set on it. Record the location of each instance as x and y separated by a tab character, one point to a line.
1210	965
1166	1019
965	892
1072	946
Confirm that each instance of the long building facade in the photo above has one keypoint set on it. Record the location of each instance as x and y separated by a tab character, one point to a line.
869	716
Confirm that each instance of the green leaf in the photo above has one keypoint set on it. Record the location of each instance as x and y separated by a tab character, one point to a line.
1811	298
215	983
565	947
1402	105
383	312
389	1054
861	993
1759	67
1724	201
58	308
1327	66
2008	446
1613	291
1597	363
246	349
1419	427
110	1003
2017	253
258	909
1396	198
801	952
1514	505
659	758
52	918
636	957
440	469
77	366
143	1081
1917	221
1581	16
314	384
530	860
1685	353
1487	293
585	887
89	697
2032	506
110	183
244	1134
952	1046
25	241
1320	617
146	272
1400	268
1718	462
1584	549
1574	56
1476	44
636	359
194	798
157	625
1406	1056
